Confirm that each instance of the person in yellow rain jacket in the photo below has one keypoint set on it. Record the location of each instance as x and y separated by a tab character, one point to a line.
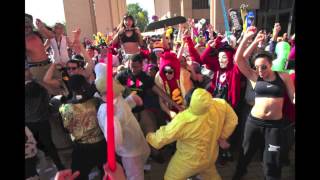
198	130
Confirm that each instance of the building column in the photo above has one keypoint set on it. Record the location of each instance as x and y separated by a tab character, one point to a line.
79	14
290	18
186	8
216	15
109	14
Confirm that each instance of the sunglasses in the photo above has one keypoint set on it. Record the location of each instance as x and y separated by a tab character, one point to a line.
263	67
168	72
71	68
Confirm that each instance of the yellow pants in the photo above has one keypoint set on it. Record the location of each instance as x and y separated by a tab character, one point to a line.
178	170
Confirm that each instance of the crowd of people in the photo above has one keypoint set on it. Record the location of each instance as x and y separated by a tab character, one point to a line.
204	96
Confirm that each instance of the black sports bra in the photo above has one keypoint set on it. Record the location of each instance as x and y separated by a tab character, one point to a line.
133	38
274	88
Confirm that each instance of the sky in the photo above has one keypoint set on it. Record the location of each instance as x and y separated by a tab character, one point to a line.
145	5
51	11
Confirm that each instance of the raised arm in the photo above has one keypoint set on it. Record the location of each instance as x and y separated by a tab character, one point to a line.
43	30
69	43
164	96
273	41
212	44
165	42
162	102
253	46
139	36
178	38
239	56
210	30
48	77
116	37
180	52
195	56
78	46
47	44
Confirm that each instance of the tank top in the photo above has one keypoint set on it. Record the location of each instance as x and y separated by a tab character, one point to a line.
274	88
133	38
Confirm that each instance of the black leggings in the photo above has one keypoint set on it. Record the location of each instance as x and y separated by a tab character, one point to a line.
87	156
42	134
267	133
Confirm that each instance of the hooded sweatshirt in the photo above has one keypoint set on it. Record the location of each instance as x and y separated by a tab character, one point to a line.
129	138
170	59
210	58
196	130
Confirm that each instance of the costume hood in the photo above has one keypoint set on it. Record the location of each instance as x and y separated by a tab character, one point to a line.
100	82
169	59
200	102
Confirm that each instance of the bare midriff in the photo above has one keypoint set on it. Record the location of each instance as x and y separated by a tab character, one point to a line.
266	108
35	49
131	47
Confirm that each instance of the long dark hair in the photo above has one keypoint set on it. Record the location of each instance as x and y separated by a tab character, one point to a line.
127	16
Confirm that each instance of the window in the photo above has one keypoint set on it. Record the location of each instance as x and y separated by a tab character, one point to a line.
293	25
260	20
273	4
270	23
284	4
200	4
263	5
284	19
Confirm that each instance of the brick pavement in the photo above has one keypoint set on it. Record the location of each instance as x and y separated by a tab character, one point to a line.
157	170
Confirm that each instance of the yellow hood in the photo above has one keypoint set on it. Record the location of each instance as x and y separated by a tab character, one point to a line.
201	100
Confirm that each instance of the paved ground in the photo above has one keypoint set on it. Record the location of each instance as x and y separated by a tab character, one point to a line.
157	170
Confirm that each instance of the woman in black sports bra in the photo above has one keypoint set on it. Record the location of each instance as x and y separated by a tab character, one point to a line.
128	36
264	126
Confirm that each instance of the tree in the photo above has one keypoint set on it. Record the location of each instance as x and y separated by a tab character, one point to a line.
140	15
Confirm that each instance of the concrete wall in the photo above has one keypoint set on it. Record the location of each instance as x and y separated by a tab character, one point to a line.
253	4
201	13
175	8
186	8
171	7
162	8
101	17
109	14
79	14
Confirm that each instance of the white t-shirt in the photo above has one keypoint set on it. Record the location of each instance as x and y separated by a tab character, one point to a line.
60	52
129	138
